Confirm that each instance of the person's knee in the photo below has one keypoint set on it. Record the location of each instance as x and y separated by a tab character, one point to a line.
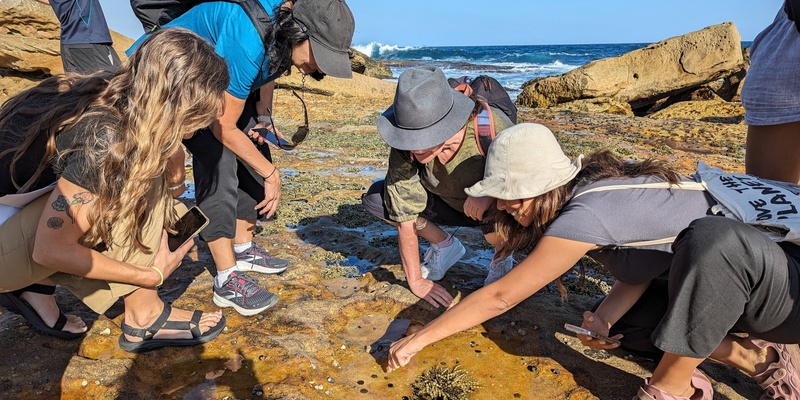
373	203
713	244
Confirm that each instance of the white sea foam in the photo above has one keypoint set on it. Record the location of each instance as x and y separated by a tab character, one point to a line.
376	49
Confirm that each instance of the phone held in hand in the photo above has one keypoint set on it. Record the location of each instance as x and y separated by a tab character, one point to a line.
189	225
271	137
583	331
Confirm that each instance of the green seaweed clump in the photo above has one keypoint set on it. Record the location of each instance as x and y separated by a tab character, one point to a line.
336	270
442	383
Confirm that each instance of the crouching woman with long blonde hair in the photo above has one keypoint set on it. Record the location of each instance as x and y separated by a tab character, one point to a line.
111	145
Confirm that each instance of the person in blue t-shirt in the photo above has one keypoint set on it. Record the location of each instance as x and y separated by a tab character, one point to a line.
234	176
85	39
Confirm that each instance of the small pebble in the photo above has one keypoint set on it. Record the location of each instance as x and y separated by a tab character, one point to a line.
319	387
517	395
390	385
335	363
84	383
105	332
555	371
532	368
364	390
261	358
327	392
374	376
258	392
343	347
477	351
360	382
260	317
233	341
330	380
97	383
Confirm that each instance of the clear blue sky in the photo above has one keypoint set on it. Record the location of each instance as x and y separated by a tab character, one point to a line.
473	22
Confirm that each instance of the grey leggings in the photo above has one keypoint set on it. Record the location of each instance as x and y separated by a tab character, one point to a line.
727	276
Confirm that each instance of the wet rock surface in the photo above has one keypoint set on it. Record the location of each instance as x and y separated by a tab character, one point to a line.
328	336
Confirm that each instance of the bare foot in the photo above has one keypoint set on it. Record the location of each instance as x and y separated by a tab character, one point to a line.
45	305
207	321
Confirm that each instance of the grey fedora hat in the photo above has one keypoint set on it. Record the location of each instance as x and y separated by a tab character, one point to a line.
330	27
524	161
426	111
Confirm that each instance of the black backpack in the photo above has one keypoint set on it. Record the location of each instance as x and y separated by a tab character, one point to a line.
154	14
792	9
491	90
494	94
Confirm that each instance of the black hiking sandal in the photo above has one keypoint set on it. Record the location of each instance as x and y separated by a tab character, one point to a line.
148	341
12	301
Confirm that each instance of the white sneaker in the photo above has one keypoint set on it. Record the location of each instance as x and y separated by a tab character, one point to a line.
498	268
438	261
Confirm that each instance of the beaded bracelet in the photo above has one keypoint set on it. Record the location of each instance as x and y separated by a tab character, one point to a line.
161	274
176	187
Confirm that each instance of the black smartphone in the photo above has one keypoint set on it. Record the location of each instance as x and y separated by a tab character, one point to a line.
189	225
271	137
583	331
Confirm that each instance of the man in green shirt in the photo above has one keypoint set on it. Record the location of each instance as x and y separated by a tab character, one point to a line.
434	157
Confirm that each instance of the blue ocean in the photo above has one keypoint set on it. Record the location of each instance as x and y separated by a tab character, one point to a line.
512	66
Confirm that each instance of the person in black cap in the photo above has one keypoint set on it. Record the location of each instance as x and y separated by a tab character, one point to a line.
235	179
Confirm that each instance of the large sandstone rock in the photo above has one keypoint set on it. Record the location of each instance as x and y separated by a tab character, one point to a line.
645	75
29	38
359	87
363	64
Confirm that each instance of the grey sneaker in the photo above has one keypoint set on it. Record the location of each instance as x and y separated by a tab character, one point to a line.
243	294
498	269
438	261
257	259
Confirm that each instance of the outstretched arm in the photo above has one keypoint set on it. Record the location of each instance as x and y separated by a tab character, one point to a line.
549	259
64	221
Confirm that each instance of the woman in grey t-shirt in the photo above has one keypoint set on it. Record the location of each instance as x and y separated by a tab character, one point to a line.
723	274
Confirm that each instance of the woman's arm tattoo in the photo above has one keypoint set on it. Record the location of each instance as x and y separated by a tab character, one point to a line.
62	204
55	223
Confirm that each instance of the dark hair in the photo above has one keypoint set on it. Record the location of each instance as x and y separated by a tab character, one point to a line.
287	33
46	109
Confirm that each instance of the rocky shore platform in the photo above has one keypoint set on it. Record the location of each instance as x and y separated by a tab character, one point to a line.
344	299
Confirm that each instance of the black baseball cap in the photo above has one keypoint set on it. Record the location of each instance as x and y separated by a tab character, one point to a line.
330	27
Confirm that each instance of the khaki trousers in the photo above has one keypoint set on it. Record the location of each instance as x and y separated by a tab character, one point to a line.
18	270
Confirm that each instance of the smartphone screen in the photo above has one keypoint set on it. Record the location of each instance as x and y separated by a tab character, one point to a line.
271	137
583	331
189	225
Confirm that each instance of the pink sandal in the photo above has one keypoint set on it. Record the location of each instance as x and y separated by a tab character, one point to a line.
781	379
703	390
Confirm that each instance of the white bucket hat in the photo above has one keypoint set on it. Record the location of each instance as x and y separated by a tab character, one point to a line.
524	161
